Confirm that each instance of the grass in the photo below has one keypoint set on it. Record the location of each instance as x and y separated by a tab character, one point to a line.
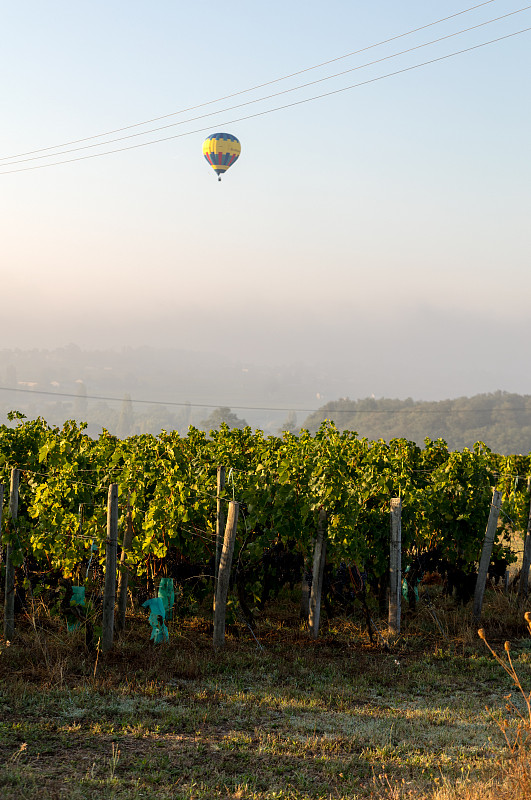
297	719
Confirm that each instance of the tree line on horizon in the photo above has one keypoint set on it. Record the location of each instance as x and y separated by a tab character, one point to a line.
502	420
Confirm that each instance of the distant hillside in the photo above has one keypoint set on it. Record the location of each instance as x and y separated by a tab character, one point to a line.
143	389
500	420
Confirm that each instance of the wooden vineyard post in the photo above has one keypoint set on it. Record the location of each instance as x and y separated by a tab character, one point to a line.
225	563
523	587
319	558
486	553
123	575
109	594
9	605
220	524
395	567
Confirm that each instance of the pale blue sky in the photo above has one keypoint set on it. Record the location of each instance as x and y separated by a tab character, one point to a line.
384	231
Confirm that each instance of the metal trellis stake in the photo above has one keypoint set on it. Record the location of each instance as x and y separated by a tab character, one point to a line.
319	558
9	606
123	576
109	596
486	552
220	524
523	587
395	567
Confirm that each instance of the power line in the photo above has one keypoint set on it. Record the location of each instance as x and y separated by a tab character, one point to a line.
253	88
148	402
277	108
270	96
327	412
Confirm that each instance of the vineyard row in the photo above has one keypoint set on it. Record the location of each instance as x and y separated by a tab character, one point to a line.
171	485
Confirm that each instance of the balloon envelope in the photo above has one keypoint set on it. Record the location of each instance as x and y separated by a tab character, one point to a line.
221	150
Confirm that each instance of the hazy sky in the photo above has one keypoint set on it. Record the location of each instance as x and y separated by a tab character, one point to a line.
384	230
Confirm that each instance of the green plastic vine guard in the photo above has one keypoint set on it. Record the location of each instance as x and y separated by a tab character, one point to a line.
167	595
77	600
157	613
405	588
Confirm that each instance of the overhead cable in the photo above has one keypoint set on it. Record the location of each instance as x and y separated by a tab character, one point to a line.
252	88
271	110
266	97
322	409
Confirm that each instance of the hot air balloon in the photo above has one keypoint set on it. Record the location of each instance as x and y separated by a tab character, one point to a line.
221	150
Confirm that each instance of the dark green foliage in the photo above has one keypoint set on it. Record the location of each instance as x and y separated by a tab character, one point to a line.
500	419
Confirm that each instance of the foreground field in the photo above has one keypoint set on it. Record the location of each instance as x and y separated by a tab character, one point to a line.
284	717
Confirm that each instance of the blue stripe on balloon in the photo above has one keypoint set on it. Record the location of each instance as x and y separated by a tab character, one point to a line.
227	137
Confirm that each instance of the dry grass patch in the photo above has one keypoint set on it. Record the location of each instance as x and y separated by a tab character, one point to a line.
299	719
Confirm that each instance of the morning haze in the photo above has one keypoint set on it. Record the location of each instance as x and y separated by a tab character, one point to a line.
372	242
146	390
